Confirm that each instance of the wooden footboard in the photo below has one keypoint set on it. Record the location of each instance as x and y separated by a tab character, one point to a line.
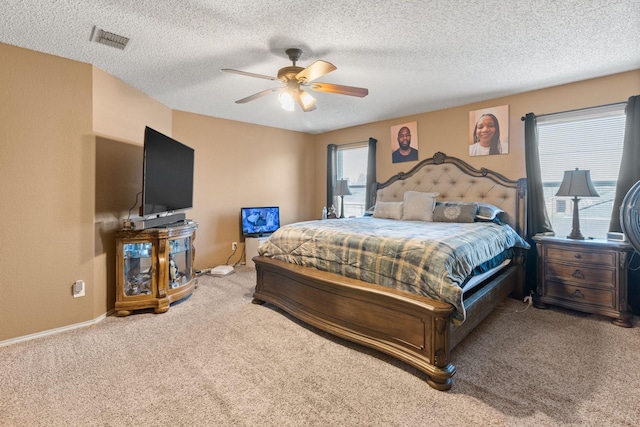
410	328
413	329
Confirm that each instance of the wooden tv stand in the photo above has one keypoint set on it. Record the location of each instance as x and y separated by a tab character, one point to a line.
154	267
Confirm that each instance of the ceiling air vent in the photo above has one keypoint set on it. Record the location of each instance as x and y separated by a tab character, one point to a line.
110	39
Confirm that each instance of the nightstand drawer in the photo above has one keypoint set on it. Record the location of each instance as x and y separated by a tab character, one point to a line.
595	257
602	277
600	297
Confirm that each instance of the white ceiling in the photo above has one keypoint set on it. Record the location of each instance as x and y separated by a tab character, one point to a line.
414	56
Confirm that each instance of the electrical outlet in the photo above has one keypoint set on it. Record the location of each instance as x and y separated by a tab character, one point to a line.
78	289
234	246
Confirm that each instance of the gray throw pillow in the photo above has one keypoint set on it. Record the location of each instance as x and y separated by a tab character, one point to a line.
455	212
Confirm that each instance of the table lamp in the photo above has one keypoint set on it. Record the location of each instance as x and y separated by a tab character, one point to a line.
342	189
576	183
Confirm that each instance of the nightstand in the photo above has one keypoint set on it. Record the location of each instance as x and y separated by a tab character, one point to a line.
584	275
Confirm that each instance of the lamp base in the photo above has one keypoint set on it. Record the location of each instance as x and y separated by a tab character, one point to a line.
576	236
575	231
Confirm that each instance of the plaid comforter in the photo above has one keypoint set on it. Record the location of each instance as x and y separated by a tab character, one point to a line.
432	259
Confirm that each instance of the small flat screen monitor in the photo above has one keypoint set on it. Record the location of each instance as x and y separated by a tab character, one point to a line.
259	221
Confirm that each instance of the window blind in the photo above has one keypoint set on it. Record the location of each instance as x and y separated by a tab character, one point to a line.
590	139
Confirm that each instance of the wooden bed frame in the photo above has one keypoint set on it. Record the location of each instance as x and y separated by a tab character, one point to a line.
411	328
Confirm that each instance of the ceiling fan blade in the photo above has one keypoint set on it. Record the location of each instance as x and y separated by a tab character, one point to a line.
340	89
256	95
315	70
244	73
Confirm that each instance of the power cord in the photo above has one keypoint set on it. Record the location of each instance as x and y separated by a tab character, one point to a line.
529	300
134	205
633	255
239	259
199	273
232	254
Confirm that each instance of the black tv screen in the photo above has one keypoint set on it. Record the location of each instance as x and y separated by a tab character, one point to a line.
167	180
259	221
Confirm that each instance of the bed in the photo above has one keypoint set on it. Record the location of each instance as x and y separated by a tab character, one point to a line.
414	326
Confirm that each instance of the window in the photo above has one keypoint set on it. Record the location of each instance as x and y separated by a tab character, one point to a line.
352	166
590	139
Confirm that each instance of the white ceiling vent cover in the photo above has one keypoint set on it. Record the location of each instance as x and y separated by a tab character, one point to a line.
110	39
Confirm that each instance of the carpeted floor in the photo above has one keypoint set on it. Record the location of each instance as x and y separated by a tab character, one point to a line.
216	359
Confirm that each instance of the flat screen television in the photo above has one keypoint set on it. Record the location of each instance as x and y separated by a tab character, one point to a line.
259	221
167	177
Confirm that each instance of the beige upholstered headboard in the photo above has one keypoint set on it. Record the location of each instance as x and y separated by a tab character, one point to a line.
456	180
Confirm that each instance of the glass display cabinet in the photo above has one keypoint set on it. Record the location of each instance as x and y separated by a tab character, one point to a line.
154	267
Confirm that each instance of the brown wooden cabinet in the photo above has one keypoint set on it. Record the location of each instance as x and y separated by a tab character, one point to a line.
585	275
154	267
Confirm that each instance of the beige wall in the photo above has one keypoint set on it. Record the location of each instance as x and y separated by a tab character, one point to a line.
448	130
120	114
239	164
47	177
70	165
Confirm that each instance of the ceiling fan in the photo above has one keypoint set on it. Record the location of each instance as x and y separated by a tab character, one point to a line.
294	78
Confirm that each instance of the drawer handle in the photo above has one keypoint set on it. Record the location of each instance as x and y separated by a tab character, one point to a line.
577	294
578	256
578	274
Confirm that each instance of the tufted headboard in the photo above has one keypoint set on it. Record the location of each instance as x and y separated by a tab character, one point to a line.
456	180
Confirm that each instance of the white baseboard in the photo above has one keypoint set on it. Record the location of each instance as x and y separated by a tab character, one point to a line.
56	330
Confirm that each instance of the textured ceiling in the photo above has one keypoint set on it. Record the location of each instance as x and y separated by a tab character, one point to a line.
413	56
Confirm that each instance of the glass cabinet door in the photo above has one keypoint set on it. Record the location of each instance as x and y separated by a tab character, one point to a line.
179	262
138	263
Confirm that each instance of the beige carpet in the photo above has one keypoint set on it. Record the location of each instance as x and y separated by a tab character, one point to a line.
216	359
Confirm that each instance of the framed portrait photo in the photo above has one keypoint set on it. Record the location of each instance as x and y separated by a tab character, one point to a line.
404	142
489	131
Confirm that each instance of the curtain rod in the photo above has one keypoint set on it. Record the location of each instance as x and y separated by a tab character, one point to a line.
353	144
579	109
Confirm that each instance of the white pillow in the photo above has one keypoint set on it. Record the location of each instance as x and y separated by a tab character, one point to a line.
419	206
392	210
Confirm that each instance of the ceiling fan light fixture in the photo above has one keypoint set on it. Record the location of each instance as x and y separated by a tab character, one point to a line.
286	101
294	78
308	101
